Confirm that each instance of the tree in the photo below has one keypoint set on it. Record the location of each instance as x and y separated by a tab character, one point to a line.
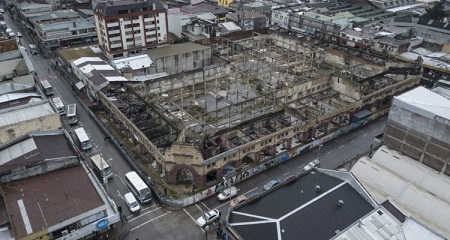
437	11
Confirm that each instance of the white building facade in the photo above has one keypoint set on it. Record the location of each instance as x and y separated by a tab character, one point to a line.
125	28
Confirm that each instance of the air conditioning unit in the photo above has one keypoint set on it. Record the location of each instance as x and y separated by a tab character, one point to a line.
65	232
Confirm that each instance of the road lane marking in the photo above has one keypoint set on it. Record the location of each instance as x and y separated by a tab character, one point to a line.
375	130
123	182
195	221
118	194
206	206
352	140
138	226
365	135
328	152
141	215
199	208
342	146
250	191
302	166
285	174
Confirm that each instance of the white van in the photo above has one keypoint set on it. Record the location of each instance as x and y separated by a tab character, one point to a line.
72	113
131	202
227	193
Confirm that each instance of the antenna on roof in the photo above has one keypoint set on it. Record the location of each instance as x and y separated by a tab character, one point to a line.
318	189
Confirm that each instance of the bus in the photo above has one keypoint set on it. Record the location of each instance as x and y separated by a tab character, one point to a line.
59	105
138	187
86	143
46	87
72	113
101	167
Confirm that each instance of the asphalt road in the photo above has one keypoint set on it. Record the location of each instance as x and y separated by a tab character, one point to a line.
181	224
155	222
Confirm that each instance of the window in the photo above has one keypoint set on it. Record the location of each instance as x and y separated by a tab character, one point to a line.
195	55
135	18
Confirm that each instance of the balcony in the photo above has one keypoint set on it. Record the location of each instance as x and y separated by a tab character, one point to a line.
112	24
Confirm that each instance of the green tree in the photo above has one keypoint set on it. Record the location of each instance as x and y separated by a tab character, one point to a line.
437	11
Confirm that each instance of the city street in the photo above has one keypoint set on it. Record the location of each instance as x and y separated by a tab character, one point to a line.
156	222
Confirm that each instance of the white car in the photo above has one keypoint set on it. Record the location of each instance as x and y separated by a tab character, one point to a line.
227	193
2	11
208	217
311	165
131	202
18	34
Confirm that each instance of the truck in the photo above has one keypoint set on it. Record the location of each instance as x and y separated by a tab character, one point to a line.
33	49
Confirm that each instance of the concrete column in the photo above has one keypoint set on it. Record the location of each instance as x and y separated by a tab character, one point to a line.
289	143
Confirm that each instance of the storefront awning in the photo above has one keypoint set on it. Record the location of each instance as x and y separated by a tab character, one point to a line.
79	85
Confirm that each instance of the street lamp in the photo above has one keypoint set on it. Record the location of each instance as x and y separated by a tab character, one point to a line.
318	152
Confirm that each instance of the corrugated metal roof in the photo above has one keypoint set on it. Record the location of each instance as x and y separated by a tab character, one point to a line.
231	26
87	59
175	49
424	102
17	150
14	96
7	67
25	113
10	87
135	62
412	186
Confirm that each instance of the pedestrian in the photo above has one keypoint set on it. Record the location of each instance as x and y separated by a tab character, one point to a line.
370	146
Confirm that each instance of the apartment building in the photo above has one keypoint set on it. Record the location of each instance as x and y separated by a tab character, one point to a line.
128	27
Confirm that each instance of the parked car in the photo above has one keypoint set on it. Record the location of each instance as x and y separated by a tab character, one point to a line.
131	202
2	11
311	165
271	184
238	200
18	34
208	217
227	193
